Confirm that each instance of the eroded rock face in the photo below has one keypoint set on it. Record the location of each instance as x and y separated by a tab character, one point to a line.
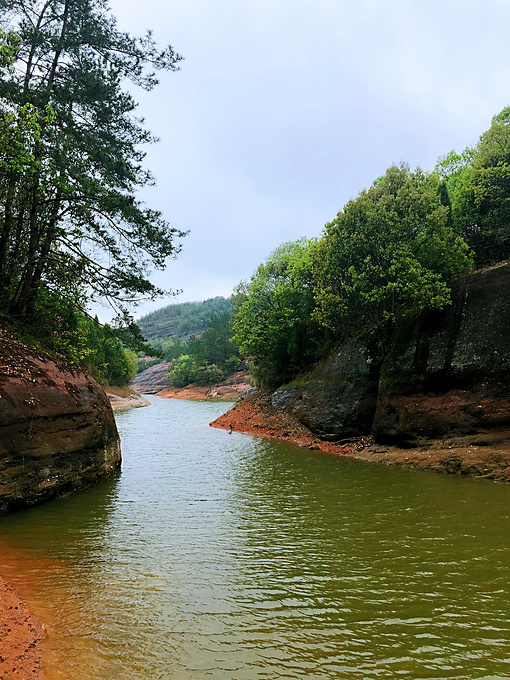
57	431
446	376
338	399
152	380
450	375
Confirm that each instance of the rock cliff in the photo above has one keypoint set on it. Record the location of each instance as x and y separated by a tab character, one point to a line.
57	431
450	374
338	399
447	375
152	380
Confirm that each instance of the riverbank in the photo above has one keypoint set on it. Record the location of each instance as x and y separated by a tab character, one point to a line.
256	416
228	390
20	634
124	398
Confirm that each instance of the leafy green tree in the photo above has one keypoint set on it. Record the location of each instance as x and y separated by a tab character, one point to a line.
171	349
215	345
273	315
453	171
71	161
388	255
478	186
482	200
451	167
183	372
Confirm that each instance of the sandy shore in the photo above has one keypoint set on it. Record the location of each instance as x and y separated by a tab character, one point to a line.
255	416
20	634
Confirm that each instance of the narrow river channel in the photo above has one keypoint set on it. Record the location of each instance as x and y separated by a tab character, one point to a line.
229	557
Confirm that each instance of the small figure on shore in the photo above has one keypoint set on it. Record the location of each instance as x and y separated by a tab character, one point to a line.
231	427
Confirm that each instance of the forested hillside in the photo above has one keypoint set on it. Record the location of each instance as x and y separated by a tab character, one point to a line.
196	338
182	320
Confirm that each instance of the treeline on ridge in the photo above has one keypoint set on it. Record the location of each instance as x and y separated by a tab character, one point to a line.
182	319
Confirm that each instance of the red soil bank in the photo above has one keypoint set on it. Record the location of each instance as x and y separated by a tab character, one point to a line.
20	634
256	416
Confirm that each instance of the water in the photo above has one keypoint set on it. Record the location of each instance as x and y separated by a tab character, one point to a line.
228	557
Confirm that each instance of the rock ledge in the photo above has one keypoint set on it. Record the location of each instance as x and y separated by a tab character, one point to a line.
57	430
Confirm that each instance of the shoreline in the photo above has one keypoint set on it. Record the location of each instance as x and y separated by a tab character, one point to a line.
20	635
124	398
255	416
219	392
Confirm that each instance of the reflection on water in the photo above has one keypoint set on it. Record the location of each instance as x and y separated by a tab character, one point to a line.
233	558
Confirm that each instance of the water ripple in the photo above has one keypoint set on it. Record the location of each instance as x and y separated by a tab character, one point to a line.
226	557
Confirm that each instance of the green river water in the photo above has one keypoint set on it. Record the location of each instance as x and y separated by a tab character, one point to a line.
229	557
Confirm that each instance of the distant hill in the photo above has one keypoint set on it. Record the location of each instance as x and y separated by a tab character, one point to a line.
183	319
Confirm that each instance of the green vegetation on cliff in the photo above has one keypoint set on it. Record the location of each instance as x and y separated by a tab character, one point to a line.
388	255
273	320
478	186
392	254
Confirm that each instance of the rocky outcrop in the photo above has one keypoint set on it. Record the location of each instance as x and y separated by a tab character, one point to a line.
450	374
152	380
127	402
338	399
57	431
447	375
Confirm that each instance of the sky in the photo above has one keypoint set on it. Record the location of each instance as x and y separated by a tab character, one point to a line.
283	110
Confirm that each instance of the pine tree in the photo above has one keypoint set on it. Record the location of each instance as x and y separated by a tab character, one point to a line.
70	156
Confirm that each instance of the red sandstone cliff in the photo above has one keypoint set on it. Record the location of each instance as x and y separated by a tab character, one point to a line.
57	431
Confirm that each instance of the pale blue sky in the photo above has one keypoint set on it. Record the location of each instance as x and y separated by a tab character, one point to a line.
284	110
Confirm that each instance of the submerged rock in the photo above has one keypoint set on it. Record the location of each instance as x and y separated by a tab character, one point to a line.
57	430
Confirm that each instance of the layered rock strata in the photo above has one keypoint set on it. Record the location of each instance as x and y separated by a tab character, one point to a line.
57	430
152	380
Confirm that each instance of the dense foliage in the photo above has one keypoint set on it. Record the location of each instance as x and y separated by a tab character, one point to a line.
104	355
208	359
71	162
390	255
479	192
273	321
86	342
